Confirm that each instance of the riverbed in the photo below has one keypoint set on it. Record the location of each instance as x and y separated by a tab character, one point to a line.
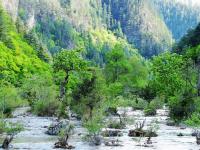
33	136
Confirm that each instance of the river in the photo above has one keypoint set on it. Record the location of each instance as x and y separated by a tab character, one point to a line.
33	136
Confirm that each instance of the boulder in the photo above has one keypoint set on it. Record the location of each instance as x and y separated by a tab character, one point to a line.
170	123
180	134
97	140
112	133
198	140
113	143
194	133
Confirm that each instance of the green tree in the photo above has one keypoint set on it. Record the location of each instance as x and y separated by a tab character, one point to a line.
167	72
90	93
117	64
69	62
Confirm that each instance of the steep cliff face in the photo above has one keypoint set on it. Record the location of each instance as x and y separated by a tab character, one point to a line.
82	14
11	6
150	25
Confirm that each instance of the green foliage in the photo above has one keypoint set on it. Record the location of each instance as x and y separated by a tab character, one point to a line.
190	40
155	104
89	94
48	106
127	16
69	60
56	33
125	74
117	64
194	120
95	123
42	95
17	59
71	63
116	125
9	128
42	52
135	102
125	68
167	72
9	99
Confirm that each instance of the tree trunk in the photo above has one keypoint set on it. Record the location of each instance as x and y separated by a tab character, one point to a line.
198	82
63	86
7	141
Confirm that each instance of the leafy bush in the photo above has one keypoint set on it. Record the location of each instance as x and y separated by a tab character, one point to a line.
182	105
194	120
9	99
155	104
48	107
116	125
41	94
9	128
134	102
150	111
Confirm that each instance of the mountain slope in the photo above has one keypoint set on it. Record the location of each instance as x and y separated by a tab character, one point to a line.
148	25
18	59
142	25
179	16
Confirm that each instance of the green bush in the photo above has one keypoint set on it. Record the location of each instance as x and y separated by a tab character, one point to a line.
116	125
42	95
194	120
9	99
46	103
150	110
9	128
135	103
46	107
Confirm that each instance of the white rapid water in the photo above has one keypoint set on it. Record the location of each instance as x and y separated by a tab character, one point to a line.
34	137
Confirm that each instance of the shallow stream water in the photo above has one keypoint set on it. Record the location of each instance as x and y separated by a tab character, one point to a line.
33	136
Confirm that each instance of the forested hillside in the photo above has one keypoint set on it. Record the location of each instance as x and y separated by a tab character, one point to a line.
178	17
99	74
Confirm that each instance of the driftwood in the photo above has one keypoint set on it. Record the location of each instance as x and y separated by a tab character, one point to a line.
7	142
140	132
140	125
63	143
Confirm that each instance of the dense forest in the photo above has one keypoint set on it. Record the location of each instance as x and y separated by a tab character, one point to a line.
84	65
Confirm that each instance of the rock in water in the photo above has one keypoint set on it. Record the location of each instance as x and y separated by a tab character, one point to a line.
97	140
113	143
180	134
112	133
170	123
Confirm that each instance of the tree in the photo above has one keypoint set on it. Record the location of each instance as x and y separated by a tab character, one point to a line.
117	64
68	61
90	93
167	72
